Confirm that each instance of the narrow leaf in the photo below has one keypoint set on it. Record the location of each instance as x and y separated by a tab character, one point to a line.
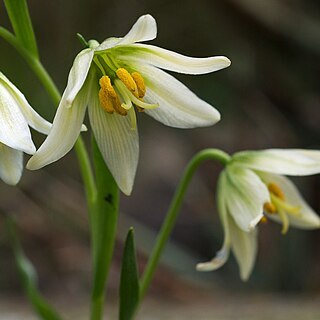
29	277
129	282
21	23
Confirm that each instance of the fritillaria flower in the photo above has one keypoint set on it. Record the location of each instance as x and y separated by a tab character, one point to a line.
115	80
251	189
16	115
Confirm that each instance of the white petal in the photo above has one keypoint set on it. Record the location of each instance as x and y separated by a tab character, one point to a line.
308	219
31	116
14	130
65	129
244	248
246	196
223	254
77	75
144	29
178	106
118	143
169	60
11	164
296	162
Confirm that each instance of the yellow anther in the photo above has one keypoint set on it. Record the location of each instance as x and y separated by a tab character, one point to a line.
105	101
117	107
140	84
108	97
126	79
275	189
269	207
105	84
264	220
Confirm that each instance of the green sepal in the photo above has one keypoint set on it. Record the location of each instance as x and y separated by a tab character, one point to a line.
18	13
82	40
28	276
129	282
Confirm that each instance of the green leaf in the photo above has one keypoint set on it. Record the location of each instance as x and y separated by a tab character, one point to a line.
103	219
129	282
21	23
29	277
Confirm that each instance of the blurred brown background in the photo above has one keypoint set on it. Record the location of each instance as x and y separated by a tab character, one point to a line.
268	98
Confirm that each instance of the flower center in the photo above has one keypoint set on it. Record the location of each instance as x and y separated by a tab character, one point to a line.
279	206
120	90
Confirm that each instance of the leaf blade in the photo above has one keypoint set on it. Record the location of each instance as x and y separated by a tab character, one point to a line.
28	277
21	23
129	282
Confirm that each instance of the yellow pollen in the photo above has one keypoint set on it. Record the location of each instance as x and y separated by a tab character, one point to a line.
269	207
126	79
140	84
275	189
105	101
108	97
117	107
264	220
105	84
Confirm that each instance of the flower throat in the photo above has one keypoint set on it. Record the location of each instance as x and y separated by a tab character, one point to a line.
120	90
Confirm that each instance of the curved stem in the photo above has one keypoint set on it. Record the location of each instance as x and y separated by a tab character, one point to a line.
34	63
174	209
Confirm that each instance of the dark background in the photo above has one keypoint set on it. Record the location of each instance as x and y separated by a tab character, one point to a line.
268	98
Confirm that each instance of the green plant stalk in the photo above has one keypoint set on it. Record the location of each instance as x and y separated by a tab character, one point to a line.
102	193
174	209
85	168
103	230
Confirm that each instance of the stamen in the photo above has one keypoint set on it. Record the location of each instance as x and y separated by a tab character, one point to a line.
133	118
294	210
126	78
105	101
118	107
276	190
99	65
123	89
264	220
105	84
109	98
269	207
285	221
140	84
112	65
124	94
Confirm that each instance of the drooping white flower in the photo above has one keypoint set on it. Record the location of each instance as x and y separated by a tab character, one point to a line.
16	115
252	188
112	79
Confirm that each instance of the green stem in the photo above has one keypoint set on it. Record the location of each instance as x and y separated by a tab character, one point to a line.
103	223
34	64
168	224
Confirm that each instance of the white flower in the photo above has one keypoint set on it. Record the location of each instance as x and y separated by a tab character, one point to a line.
252	188
16	115
113	79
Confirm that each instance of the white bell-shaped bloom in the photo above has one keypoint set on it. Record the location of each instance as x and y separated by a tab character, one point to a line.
16	115
116	78
252	188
